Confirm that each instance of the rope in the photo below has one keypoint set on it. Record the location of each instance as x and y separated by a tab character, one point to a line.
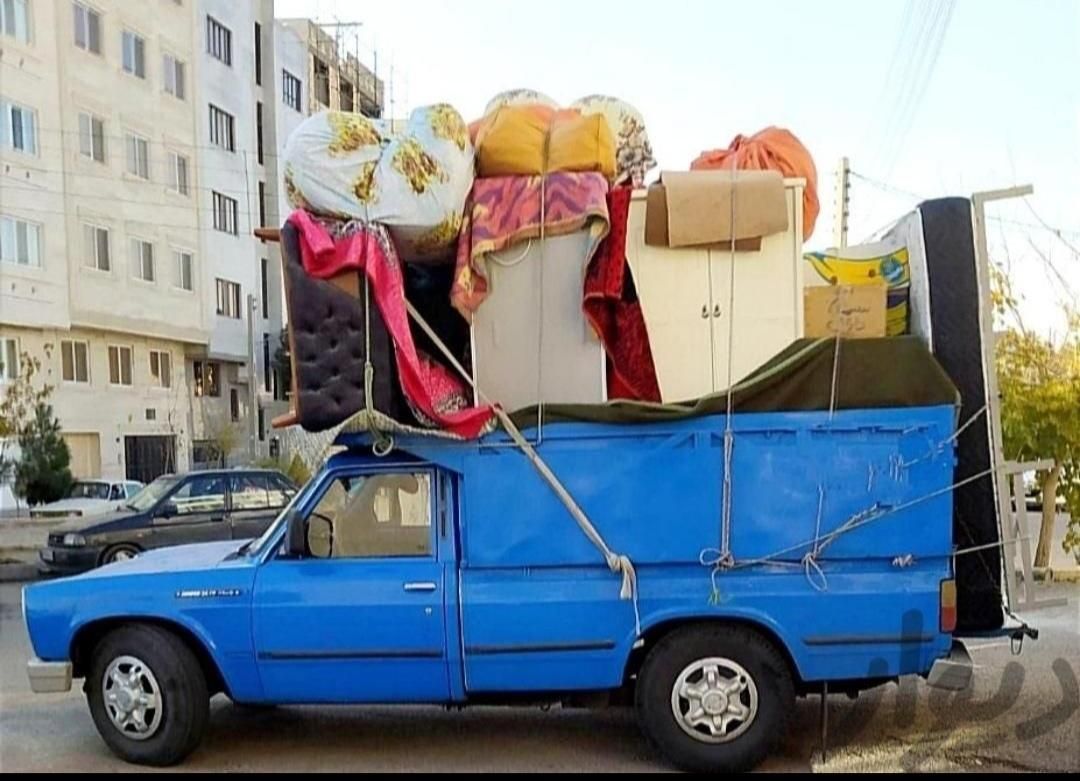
809	561
511	263
711	557
540	308
726	559
616	562
383	444
938	447
835	374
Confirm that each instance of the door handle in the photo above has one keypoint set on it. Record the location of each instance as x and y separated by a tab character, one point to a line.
425	585
716	311
704	311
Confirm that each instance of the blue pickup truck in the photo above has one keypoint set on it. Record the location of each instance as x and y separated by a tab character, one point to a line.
814	551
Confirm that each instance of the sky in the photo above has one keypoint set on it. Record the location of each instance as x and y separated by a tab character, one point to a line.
998	105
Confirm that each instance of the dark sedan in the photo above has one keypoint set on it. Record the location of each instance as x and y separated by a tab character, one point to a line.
173	510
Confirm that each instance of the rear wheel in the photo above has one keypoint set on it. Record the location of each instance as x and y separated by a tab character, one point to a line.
147	695
715	698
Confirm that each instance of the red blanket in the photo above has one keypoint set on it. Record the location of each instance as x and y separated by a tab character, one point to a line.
432	391
611	306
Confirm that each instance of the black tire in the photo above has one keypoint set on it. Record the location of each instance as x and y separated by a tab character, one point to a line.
768	671
185	702
112	552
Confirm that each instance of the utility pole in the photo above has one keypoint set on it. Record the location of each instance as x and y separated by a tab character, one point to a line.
842	199
253	397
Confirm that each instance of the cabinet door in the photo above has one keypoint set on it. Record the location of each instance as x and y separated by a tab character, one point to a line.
673	287
764	315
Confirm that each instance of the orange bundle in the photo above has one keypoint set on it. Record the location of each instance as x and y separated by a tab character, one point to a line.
772	149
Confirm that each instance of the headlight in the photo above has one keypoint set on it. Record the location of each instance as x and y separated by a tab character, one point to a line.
74	540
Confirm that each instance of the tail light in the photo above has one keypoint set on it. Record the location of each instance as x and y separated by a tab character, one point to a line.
948	606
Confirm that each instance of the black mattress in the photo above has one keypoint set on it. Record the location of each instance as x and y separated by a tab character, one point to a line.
957	339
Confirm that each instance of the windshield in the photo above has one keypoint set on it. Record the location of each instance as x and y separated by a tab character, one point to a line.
89	491
151	494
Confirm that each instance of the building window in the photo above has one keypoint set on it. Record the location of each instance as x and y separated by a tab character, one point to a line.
173	70
259	132
265	266
268	382
205	376
96	245
322	82
234	404
345	95
258	54
92	137
119	365
160	369
133	54
290	90
225	213
9	359
228	299
218	40
179	169
184	262
87	28
262	204
138	155
15	19
20	242
222	129
18	127
75	361
142	259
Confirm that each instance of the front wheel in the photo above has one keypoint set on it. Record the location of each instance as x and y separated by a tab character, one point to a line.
715	698
147	695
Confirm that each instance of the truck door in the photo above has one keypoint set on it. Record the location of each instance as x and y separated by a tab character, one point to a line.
359	617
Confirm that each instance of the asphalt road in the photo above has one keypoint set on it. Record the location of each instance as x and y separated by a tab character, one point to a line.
1023	713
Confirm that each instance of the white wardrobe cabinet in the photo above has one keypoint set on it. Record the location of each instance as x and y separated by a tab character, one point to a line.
713	318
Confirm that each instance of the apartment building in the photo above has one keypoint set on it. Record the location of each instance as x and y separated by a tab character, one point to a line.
100	223
250	88
132	171
339	81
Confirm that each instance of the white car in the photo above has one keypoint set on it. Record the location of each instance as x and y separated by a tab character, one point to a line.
89	498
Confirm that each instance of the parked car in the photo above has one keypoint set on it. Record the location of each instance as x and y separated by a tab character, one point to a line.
203	506
88	498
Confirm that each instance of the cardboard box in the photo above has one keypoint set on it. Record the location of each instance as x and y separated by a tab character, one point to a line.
693	209
851	311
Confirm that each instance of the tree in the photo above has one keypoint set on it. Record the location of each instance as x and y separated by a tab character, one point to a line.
16	408
1040	412
223	434
42	473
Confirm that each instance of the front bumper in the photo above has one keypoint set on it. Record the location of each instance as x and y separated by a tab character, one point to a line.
953	672
68	560
48	677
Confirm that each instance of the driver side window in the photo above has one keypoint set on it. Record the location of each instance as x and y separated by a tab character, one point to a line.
372	516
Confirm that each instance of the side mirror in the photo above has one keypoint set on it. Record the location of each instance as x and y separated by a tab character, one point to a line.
168	510
296	536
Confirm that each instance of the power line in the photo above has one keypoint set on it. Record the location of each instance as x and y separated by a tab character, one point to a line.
908	109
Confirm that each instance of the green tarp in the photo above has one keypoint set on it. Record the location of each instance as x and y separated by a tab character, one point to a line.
870	373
